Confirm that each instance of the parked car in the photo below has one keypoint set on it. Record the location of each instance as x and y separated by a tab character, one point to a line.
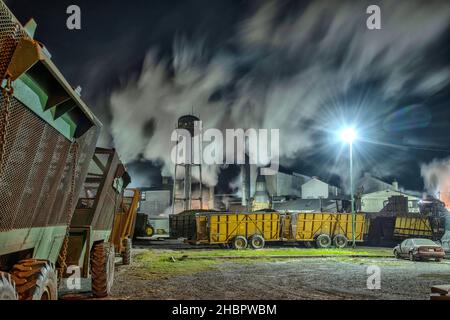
419	249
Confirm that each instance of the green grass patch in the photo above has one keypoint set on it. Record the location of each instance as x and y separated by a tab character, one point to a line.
154	264
285	252
157	263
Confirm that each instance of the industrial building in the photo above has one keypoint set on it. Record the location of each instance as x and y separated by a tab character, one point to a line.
311	205
290	191
376	201
155	202
374	194
369	183
317	189
293	191
284	184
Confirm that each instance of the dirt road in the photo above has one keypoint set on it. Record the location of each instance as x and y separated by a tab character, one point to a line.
312	278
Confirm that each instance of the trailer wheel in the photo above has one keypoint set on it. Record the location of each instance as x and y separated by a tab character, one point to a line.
102	269
340	241
239	243
7	288
323	241
35	280
126	255
257	241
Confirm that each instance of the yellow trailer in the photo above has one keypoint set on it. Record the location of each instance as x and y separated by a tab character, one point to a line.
124	222
239	230
325	229
412	226
254	229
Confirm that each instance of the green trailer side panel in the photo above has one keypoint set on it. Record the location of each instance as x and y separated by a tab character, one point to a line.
100	235
46	241
35	98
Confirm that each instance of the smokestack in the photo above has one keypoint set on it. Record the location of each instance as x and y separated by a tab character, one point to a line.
261	198
245	178
395	185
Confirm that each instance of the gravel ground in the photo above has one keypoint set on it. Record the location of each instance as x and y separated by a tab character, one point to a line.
312	278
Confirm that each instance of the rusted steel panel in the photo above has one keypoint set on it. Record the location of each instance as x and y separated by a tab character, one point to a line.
37	171
100	199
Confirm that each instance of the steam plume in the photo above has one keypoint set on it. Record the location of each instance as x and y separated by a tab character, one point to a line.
284	69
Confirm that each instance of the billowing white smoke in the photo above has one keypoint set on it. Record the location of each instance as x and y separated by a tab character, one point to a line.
436	177
156	99
295	66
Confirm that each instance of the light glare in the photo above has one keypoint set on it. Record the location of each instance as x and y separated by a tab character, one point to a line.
348	135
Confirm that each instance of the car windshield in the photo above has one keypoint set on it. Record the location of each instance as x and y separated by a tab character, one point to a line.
423	242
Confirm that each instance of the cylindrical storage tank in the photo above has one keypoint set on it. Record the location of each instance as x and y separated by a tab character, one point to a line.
187	122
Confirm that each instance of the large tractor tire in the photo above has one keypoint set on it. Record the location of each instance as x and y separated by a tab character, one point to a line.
102	269
239	243
7	288
126	254
257	241
35	280
323	241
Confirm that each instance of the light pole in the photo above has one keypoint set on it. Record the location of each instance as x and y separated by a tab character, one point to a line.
349	135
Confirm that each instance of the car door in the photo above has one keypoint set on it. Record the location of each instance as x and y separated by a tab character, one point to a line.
405	247
401	246
410	246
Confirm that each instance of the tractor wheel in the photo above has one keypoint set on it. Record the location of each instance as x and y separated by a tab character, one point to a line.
396	254
149	231
323	241
35	280
257	241
102	269
411	257
7	288
340	241
239	243
126	255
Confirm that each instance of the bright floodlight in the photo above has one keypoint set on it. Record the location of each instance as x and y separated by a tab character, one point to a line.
348	135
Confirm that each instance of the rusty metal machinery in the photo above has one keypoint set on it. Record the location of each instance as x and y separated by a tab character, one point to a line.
88	245
47	138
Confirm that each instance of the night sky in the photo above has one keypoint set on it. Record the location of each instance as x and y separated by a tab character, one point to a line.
305	67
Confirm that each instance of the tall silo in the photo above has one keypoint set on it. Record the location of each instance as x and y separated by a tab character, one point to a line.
184	183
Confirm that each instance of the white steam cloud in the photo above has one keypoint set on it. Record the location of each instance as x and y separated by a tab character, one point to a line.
295	65
436	176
